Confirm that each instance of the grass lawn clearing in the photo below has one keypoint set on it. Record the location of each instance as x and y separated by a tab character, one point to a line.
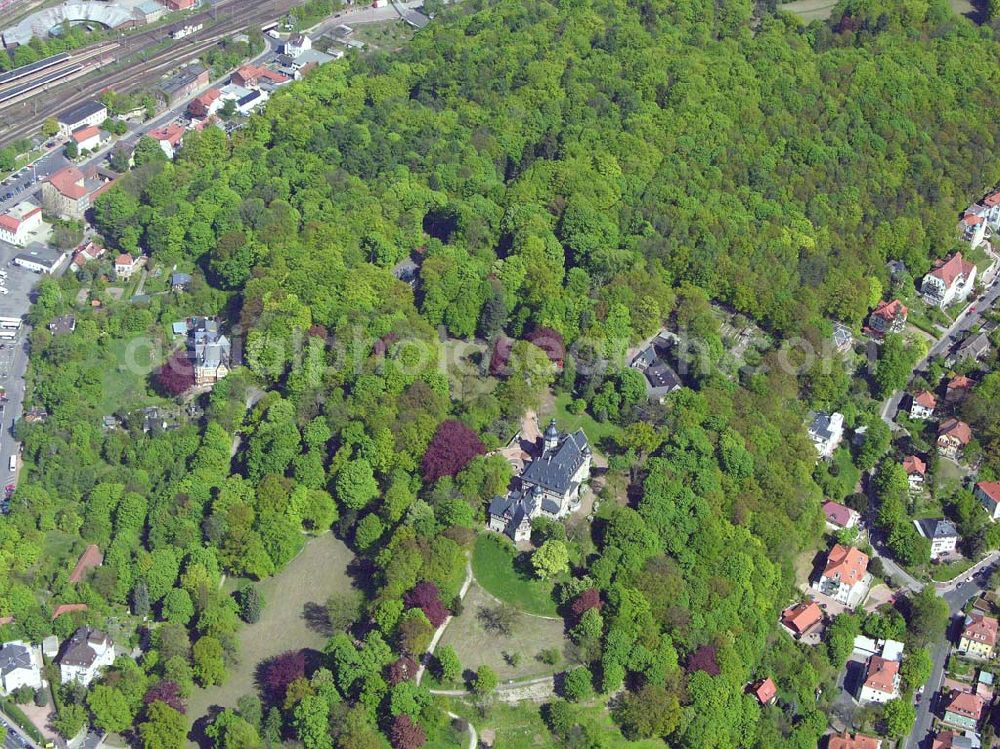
522	726
596	431
476	646
312	577
948	478
941	573
496	570
127	363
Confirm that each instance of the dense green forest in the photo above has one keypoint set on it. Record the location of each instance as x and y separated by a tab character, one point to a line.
595	168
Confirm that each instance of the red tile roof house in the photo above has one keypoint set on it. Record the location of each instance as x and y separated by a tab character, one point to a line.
802	618
958	387
845	577
950	740
90	559
69	192
206	104
19	222
916	471
923	404
85	254
87	138
765	691
251	76
125	265
857	741
964	710
951	280
953	436
169	137
839	516
881	682
988	493
887	317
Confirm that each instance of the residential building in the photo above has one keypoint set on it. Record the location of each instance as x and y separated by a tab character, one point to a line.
246	104
957	388
802	618
150	11
86	254
826	431
180	281
839	516
979	636
183	83
974	227
20	666
550	484
40	259
69	192
942	534
169	137
922	405
964	710
661	379
916	472
513	513
176	5
988	493
296	44
18	223
881	682
951	280
85	655
765	691
953	436
206	104
254	76
847	740
845	577
89	113
887	317
843	338
87	138
209	349
952	740
974	348
125	265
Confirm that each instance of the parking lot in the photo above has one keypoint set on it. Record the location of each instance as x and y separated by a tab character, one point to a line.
19	283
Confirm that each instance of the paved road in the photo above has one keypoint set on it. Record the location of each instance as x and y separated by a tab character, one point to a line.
956	598
16	738
965	321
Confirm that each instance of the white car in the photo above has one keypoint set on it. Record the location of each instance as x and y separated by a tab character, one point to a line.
4	290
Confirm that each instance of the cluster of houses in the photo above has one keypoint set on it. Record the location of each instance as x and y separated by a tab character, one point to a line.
550	473
81	659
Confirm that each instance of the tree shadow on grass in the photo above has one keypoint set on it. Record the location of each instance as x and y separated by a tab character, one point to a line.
317	618
197	732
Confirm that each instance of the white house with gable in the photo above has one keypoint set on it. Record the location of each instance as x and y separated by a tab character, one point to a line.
85	655
20	666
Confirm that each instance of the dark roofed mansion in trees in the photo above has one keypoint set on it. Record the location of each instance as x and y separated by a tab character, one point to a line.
550	483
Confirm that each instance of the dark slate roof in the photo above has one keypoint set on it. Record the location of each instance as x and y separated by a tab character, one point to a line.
644	358
939	528
13	657
555	468
180	279
821	426
78	651
662	377
76	114
513	508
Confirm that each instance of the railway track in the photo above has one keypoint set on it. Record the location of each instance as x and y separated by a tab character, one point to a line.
60	95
